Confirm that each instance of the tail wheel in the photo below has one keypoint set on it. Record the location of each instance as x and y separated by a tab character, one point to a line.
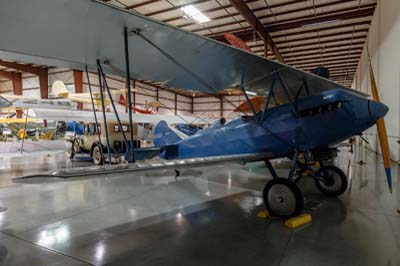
283	198
97	155
334	184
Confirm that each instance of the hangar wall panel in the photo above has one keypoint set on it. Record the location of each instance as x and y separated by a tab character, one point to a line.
5	86
144	94
210	106
206	107
384	42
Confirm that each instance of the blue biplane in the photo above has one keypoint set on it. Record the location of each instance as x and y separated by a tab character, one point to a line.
310	114
311	127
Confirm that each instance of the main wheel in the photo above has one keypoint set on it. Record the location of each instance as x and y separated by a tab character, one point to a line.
283	198
97	158
333	185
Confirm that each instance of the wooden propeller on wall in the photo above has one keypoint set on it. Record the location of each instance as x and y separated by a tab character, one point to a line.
381	128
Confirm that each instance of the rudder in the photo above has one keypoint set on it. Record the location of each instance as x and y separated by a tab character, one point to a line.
164	135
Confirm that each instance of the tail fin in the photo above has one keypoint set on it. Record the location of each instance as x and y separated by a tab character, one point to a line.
121	100
59	89
164	135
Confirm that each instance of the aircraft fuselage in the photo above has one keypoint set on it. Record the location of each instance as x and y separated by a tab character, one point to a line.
319	121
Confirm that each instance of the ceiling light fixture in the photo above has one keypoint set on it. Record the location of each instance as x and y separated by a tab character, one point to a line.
252	93
193	13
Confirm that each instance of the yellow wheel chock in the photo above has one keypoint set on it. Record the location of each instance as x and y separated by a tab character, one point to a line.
263	214
298	221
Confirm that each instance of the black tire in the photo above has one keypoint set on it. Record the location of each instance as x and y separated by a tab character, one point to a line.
283	198
338	184
96	155
76	146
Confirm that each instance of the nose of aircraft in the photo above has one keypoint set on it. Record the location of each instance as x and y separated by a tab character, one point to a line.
377	110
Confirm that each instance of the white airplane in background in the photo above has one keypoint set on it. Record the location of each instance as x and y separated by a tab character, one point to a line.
65	110
28	102
64	107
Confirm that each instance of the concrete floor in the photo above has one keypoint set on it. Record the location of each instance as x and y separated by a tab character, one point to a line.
206	217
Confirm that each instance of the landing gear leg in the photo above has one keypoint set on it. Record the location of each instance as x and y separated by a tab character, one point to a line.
282	197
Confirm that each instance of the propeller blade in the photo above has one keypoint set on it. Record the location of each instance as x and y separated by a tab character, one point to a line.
244	107
236	42
381	127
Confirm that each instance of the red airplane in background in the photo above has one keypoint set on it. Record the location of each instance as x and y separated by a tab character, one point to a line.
150	108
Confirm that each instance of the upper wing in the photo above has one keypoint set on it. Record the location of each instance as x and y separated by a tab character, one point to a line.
86	30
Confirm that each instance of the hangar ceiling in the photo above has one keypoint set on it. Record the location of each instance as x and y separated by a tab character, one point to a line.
307	33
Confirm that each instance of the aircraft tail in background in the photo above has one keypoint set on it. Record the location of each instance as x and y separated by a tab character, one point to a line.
59	90
165	135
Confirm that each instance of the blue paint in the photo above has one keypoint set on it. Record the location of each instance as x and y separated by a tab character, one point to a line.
325	120
75	127
188	130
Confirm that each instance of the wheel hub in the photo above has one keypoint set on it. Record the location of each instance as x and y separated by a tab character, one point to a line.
97	155
281	199
333	182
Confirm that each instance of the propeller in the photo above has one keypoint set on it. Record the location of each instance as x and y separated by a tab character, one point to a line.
237	42
381	127
244	107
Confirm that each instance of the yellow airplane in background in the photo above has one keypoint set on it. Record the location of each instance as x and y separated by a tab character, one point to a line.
59	90
11	118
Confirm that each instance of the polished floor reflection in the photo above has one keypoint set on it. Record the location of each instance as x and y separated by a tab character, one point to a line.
208	216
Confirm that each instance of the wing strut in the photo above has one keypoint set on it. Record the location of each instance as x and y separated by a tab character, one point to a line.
104	113
128	85
250	103
285	90
23	136
270	93
94	112
112	103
